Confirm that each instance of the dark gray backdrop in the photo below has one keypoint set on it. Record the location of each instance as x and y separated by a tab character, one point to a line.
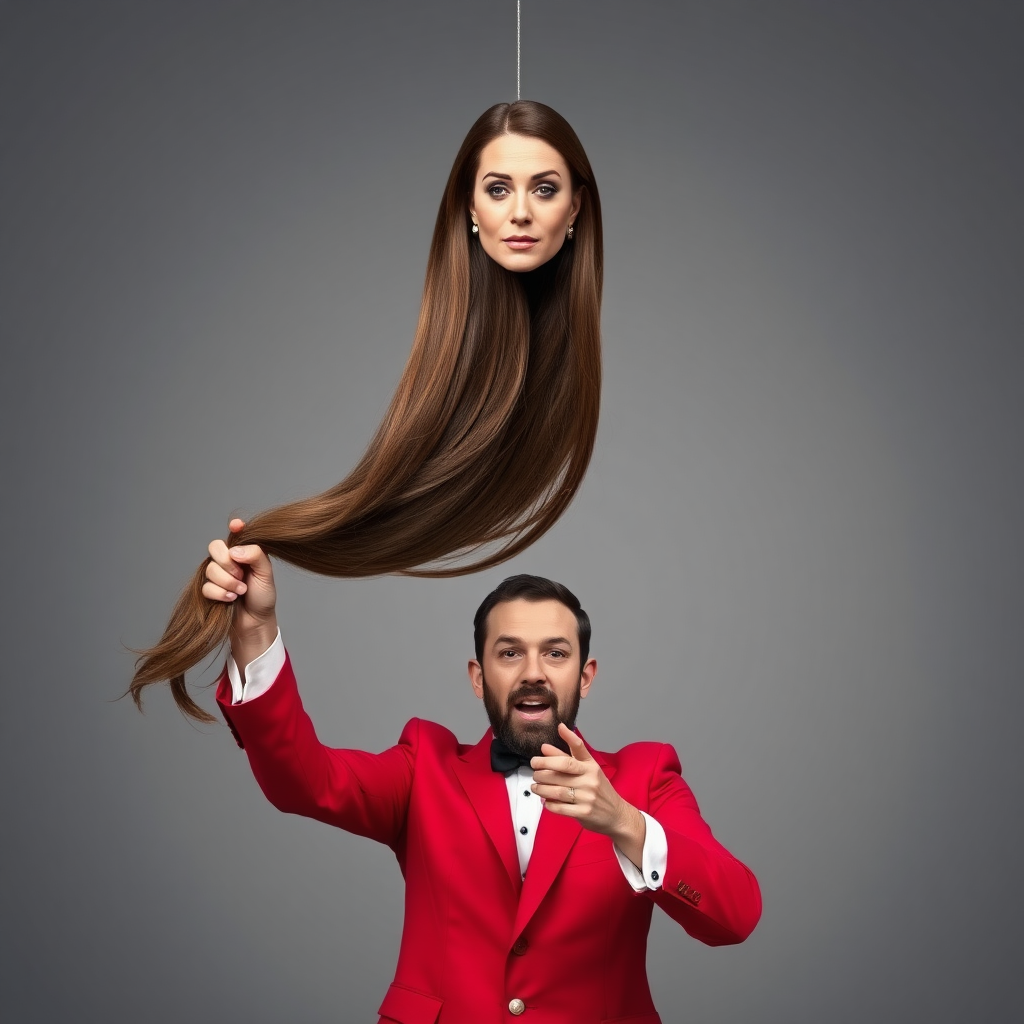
799	539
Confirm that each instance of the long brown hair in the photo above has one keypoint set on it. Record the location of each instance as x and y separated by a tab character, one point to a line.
488	434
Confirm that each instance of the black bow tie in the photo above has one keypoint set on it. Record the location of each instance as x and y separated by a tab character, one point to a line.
504	760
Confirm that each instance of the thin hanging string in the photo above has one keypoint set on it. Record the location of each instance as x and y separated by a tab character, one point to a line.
518	2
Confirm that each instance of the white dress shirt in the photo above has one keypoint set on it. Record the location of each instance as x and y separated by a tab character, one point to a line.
524	804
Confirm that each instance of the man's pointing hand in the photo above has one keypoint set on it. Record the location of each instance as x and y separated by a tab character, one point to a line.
574	785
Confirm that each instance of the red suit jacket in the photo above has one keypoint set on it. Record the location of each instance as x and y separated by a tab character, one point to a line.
570	940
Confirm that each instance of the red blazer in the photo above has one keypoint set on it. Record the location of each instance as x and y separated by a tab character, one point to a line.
570	940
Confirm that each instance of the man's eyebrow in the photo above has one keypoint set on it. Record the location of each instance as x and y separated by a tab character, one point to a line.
514	641
533	177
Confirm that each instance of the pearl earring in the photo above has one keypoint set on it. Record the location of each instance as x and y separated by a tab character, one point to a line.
569	232
476	229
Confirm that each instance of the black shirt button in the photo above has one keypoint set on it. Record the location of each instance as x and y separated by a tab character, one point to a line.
523	830
526	792
655	876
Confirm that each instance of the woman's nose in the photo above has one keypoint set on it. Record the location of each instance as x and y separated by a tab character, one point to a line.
521	210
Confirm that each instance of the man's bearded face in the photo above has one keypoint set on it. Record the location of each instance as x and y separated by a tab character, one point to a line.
534	679
512	719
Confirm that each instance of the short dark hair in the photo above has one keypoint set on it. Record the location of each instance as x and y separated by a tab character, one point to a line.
531	588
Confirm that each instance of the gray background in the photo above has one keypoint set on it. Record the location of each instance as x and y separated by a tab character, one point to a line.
799	539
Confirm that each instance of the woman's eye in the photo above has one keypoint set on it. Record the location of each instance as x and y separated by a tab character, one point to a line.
546	191
497	191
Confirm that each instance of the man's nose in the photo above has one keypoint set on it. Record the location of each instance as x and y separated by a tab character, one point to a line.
533	669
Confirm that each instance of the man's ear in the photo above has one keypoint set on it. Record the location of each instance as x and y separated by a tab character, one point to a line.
476	678
587	675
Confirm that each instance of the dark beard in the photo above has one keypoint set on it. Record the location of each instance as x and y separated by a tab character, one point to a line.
526	738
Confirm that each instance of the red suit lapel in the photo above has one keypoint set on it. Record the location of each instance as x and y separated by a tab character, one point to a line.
489	797
555	837
556	834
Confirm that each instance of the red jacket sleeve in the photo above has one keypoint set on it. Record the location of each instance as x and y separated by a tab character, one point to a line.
367	794
706	889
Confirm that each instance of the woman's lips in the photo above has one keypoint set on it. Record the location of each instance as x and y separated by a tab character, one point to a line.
521	242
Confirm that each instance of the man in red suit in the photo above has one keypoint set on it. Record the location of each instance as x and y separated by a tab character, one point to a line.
532	862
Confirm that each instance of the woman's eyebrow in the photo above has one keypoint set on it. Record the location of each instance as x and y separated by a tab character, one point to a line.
533	177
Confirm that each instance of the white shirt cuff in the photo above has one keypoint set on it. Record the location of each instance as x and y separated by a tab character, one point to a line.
654	858
260	673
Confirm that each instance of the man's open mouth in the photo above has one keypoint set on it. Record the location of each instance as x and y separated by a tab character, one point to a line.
533	708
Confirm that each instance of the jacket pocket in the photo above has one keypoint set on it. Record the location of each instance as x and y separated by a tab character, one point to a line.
407	1006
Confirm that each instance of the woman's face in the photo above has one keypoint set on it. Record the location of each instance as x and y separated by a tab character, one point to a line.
522	201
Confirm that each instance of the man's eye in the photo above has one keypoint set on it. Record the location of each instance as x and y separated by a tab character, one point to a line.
507	654
558	654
